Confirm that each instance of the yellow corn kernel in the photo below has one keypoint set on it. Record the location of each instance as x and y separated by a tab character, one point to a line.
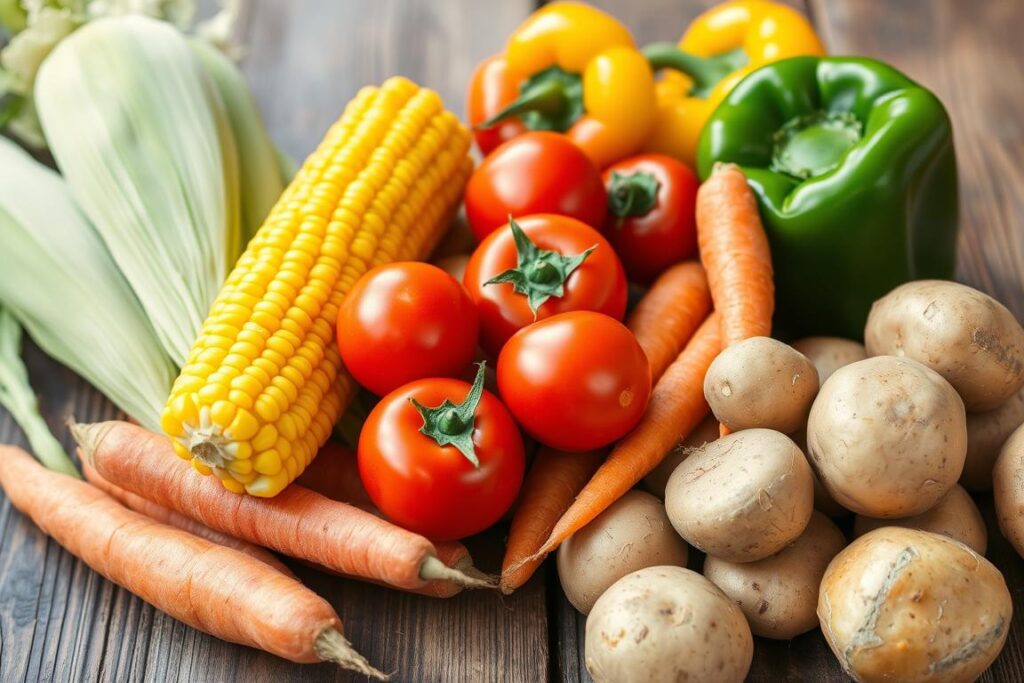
264	383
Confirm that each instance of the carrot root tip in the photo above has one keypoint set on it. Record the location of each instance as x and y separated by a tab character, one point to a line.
332	646
434	569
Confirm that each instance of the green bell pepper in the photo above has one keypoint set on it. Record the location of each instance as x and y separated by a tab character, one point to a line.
854	169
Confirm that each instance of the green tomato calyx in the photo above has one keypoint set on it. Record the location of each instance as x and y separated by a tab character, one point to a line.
539	274
453	424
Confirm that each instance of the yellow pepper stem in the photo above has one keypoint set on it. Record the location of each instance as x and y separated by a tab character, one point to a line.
706	72
549	100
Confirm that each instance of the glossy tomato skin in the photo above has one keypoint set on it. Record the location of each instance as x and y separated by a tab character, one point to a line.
598	284
667	234
432	490
490	90
536	172
575	382
406	321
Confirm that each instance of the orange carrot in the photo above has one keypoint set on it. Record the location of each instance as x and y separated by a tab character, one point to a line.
297	522
734	250
212	588
669	313
549	489
677	406
159	513
334	473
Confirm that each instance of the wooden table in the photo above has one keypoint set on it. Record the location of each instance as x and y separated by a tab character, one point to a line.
59	621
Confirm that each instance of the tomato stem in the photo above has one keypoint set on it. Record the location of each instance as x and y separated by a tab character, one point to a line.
633	194
453	424
540	273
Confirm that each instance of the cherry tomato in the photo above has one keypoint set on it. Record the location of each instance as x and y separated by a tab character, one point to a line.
536	172
598	283
491	90
652	220
406	321
434	489
575	382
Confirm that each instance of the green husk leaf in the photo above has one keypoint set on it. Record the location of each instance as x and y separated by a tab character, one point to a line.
17	396
142	138
61	283
260	179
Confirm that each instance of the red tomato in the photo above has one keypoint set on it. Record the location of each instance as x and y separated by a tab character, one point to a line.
575	382
435	490
652	221
597	284
406	321
491	90
536	172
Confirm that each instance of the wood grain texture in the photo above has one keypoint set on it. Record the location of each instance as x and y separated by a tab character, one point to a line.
970	55
60	621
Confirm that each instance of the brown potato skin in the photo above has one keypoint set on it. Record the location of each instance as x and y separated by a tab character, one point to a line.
955	516
911	606
1008	490
965	335
779	594
830	353
705	432
761	383
823	500
743	497
986	434
667	624
887	437
633	533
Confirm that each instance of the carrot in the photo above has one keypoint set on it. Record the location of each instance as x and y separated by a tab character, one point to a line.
550	487
159	513
677	406
734	250
297	522
334	473
669	313
212	588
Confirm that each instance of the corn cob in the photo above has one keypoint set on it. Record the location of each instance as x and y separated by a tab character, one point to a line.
264	384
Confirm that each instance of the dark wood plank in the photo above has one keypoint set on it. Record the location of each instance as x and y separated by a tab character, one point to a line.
60	621
969	54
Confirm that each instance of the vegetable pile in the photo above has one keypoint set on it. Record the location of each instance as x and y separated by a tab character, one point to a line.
638	242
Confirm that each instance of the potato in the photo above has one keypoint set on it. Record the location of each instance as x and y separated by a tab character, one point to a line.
1008	489
823	500
830	353
633	533
966	336
779	594
705	432
955	515
761	382
887	437
910	606
986	434
743	497
667	624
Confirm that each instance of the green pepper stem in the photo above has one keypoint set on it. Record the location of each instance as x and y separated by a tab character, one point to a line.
546	96
706	72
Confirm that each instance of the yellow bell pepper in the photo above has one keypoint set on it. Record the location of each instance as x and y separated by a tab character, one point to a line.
580	74
719	49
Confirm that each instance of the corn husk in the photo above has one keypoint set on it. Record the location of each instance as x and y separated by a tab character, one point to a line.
17	396
140	134
59	280
260	178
